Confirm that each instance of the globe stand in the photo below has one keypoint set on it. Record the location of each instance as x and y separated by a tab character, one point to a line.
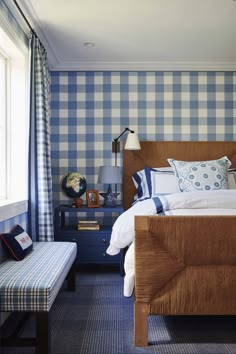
78	202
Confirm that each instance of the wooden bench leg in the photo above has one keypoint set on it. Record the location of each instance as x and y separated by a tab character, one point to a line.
15	322
140	324
42	333
71	279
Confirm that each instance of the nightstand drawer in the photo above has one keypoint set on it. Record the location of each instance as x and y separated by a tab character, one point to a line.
91	247
96	255
86	238
94	238
66	236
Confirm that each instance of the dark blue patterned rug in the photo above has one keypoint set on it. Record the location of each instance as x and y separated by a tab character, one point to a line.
98	319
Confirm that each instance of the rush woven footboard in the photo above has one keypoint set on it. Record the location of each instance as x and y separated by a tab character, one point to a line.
184	265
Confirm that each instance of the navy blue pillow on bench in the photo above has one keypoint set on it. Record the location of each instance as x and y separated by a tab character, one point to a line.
17	242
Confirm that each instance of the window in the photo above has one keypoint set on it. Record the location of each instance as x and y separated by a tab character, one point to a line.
3	98
14	122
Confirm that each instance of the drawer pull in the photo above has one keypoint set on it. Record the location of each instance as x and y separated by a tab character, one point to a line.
104	240
104	254
74	239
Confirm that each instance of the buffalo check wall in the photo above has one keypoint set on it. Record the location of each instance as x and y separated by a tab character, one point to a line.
90	109
6	226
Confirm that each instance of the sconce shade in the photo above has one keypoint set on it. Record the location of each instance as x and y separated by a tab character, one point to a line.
132	142
109	174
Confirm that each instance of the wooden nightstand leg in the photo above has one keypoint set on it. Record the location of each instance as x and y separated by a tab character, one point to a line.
122	259
71	278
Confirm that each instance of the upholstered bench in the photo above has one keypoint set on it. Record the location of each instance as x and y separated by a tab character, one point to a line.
32	285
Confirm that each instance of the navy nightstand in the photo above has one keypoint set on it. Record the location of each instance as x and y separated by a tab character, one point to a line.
91	244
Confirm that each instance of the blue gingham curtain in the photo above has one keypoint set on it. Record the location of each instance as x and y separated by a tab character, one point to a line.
40	178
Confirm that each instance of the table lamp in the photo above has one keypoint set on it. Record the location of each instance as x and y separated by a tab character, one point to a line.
109	175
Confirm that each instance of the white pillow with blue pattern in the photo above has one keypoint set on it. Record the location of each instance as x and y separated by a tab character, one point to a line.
201	175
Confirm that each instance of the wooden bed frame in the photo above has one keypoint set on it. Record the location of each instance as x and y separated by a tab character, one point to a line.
184	265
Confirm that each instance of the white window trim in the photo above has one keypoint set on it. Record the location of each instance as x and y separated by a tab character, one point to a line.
7	27
12	209
3	108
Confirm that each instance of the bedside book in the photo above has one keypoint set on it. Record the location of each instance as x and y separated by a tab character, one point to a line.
88	222
89	226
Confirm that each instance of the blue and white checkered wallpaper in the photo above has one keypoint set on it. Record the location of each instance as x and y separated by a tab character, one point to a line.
5	226
90	109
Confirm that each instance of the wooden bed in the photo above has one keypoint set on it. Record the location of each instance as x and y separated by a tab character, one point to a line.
184	265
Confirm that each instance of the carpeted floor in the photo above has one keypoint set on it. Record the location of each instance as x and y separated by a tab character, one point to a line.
97	319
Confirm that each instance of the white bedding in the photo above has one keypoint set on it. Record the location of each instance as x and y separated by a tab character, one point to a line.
221	202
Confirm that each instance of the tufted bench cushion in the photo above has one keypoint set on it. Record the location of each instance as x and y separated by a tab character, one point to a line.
33	283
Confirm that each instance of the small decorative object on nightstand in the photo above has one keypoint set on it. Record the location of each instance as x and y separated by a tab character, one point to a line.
108	175
73	185
92	197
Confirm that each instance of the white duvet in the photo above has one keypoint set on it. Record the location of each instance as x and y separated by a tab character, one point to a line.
222	202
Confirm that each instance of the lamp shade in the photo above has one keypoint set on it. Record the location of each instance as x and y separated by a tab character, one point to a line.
132	142
109	174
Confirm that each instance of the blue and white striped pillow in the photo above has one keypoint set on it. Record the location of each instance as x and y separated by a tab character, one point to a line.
151	182
141	185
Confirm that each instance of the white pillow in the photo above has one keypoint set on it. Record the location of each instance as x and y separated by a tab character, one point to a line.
163	182
232	179
151	182
201	175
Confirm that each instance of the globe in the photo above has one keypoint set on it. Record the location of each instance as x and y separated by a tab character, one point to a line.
73	185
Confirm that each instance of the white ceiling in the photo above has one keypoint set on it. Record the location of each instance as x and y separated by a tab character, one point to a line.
136	34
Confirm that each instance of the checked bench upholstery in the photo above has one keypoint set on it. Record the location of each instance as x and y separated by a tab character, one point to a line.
32	285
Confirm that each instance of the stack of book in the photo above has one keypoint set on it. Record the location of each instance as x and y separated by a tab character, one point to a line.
88	225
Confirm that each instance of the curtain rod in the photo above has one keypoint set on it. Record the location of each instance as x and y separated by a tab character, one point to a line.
25	19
